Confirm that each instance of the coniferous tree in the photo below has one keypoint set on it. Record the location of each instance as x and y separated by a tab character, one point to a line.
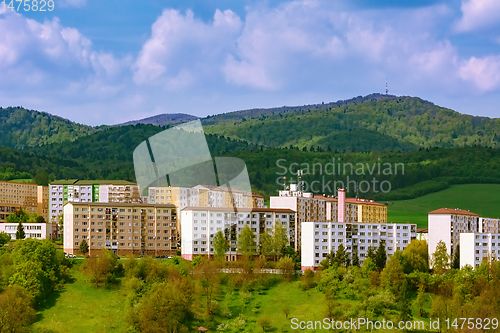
456	258
20	234
355	259
341	256
84	247
380	256
404	302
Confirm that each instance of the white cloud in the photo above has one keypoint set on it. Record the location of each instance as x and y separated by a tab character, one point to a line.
295	52
72	3
183	48
478	14
484	72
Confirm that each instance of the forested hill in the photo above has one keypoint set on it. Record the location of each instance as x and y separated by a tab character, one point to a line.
377	123
372	123
21	128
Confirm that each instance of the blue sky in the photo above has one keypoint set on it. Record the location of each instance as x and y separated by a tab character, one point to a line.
106	62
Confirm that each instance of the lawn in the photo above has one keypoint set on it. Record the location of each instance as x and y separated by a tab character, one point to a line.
82	308
482	199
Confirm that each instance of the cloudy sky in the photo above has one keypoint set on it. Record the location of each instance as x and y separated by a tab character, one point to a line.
106	62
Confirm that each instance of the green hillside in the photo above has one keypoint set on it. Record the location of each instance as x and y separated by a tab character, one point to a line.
482	199
371	123
27	128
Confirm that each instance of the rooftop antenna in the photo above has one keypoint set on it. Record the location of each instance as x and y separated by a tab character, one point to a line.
284	183
386	88
299	182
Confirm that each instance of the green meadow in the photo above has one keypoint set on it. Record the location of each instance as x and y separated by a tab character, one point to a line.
482	199
80	307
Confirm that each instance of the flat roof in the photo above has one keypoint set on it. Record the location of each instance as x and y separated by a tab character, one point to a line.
247	210
350	200
456	211
119	204
91	182
9	182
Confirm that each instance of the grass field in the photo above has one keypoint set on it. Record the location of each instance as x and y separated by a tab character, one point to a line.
482	199
82	308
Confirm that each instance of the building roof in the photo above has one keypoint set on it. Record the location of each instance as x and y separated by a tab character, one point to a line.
455	211
9	182
423	230
363	202
120	204
91	182
350	200
242	210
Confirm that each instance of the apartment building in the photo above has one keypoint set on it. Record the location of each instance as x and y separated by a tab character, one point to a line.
74	190
476	247
31	230
447	224
200	224
321	208
30	197
204	196
124	228
320	238
305	205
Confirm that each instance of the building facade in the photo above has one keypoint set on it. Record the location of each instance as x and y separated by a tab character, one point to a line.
447	224
31	230
306	207
320	238
74	190
124	228
476	247
200	224
30	197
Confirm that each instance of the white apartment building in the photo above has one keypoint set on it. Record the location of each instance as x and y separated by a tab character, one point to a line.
447	224
475	247
320	238
31	230
200	224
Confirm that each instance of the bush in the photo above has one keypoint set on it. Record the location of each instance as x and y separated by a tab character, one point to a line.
264	322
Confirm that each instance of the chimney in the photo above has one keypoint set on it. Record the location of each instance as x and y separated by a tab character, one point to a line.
341	205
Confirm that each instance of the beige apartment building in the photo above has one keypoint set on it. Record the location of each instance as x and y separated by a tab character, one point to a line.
124	228
30	197
204	196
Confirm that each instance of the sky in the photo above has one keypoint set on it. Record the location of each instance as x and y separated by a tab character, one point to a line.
106	62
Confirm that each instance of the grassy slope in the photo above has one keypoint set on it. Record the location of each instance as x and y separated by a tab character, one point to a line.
482	199
82	308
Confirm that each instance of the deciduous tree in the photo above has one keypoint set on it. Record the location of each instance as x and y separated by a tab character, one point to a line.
16	309
4	238
220	245
246	242
440	258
